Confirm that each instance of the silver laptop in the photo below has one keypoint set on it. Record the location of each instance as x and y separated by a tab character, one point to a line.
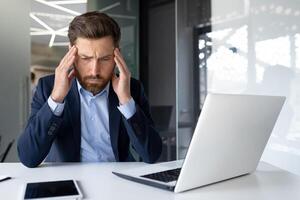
228	141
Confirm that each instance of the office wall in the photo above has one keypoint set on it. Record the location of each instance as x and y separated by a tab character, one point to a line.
162	83
14	70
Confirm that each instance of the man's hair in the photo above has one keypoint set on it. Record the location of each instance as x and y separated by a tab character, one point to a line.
94	25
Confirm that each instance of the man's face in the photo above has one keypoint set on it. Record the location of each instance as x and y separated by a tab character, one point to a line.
94	63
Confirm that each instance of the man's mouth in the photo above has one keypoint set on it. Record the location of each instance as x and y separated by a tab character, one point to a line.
93	80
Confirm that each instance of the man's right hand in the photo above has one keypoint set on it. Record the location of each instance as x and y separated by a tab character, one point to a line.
64	73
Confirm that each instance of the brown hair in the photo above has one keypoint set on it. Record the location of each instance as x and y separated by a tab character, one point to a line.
94	25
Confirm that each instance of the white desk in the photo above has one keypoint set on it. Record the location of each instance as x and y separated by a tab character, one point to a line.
97	182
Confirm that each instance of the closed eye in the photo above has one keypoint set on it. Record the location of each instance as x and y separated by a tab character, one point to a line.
85	58
106	58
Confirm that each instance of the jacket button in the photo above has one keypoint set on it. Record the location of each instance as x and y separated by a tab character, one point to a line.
51	130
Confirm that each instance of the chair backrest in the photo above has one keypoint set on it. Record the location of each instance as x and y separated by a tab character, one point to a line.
3	156
161	115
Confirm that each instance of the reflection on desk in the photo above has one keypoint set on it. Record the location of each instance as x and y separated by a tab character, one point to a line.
97	182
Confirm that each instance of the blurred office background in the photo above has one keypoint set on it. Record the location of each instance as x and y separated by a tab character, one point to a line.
180	49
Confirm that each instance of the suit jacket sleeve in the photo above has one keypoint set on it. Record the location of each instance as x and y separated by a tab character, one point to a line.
140	128
36	140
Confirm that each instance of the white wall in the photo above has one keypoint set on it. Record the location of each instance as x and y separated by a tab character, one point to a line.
14	70
266	34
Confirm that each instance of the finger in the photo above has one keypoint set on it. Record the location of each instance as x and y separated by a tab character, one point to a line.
71	75
118	52
122	64
66	55
69	55
68	66
121	59
119	66
69	61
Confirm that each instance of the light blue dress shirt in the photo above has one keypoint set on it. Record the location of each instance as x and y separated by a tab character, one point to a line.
95	135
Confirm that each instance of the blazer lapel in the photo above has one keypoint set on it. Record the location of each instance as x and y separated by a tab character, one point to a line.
73	104
114	120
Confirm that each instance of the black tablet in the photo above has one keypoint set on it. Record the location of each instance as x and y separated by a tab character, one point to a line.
63	189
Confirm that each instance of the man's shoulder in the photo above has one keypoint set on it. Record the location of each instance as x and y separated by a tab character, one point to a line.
48	78
136	88
47	81
135	84
135	81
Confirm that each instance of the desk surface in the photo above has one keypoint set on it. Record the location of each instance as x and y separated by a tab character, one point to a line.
97	182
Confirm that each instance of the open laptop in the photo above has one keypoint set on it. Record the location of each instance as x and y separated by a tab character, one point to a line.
228	141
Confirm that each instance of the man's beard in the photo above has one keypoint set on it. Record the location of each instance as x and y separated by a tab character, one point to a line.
96	86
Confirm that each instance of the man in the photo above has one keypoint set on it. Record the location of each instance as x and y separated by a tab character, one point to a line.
85	112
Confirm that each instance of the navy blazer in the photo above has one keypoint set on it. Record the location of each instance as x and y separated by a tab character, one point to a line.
57	139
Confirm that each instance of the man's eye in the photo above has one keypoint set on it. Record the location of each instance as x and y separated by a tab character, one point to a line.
106	58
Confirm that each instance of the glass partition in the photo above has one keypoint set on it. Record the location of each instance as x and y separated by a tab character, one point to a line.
244	47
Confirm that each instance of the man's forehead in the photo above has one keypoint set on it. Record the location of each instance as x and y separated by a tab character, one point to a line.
83	51
94	46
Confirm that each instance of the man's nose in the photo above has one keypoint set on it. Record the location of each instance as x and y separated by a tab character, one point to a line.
94	67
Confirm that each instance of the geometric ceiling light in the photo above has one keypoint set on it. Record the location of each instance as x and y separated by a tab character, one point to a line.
52	18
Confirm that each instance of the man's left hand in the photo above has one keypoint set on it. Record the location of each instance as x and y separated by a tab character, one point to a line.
121	84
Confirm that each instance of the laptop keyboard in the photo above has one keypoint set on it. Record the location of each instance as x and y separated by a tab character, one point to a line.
165	176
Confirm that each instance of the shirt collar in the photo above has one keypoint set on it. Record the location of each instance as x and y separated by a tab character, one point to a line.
81	90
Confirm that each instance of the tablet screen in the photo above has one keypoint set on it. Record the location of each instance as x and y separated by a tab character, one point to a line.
50	189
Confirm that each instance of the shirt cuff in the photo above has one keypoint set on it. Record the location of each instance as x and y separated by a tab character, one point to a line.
128	109
56	108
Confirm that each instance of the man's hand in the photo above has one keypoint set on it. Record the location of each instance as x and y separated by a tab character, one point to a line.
63	76
121	84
